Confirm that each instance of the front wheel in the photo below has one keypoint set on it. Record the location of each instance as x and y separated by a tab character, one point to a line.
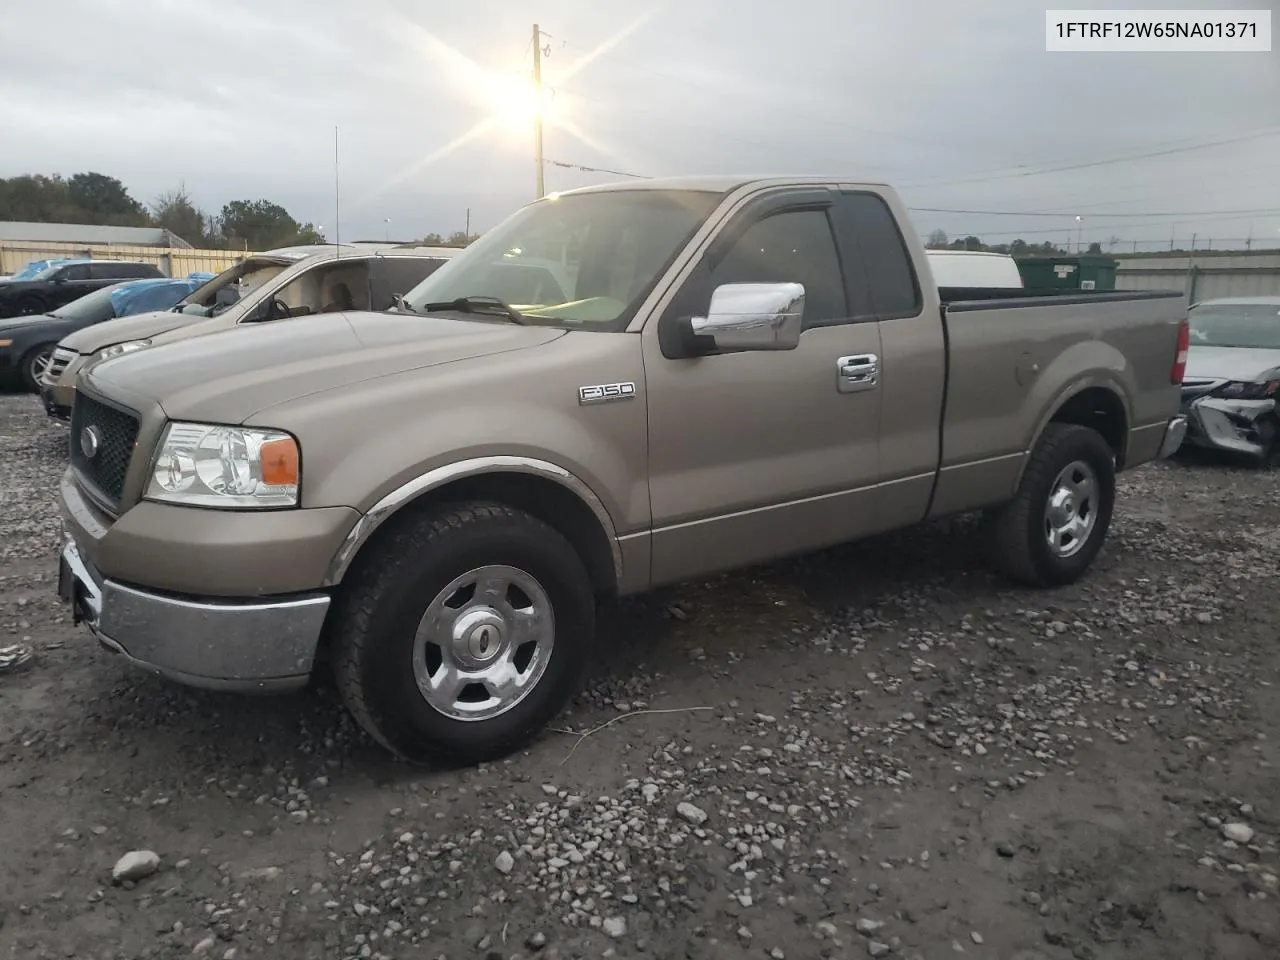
34	363
462	633
1050	532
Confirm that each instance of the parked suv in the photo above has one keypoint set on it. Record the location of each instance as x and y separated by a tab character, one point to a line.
276	285
59	284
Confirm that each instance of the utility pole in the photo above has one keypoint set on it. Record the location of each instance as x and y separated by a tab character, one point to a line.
537	111
468	231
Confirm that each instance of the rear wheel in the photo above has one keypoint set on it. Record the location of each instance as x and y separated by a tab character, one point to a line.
29	305
462	633
34	363
1049	534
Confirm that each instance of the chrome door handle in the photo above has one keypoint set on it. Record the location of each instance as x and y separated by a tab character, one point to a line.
858	372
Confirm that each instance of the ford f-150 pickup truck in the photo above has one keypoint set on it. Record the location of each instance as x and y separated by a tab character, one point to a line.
616	388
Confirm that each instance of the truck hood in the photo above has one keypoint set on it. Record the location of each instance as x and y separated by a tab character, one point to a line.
95	337
226	377
1244	364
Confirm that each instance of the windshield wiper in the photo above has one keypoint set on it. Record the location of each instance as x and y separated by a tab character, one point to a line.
490	306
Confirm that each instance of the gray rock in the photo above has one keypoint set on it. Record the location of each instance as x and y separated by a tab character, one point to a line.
135	865
695	815
615	927
878	949
1237	832
866	925
505	862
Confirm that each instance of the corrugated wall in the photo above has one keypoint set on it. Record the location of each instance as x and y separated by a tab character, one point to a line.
1203	278
173	261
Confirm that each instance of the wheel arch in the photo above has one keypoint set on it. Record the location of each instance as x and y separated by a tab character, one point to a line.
1097	402
543	489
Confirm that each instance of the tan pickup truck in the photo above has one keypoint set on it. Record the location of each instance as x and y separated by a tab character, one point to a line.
616	388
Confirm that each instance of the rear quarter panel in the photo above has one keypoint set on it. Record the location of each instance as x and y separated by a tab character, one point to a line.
1013	365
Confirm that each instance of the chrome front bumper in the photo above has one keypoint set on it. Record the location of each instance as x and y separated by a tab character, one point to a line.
1231	426
241	645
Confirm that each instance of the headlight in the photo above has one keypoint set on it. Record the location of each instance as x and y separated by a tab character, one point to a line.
106	353
1248	391
205	465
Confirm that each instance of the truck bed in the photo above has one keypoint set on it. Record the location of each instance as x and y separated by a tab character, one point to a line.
1008	348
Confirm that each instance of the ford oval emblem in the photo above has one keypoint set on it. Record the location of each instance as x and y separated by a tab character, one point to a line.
90	441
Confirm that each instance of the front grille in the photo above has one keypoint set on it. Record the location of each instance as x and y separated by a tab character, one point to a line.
109	434
59	363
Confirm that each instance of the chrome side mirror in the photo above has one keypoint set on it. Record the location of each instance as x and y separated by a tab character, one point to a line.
753	316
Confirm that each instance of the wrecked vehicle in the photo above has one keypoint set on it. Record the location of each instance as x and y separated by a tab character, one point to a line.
1233	374
680	377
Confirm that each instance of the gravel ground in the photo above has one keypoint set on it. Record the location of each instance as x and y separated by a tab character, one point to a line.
876	751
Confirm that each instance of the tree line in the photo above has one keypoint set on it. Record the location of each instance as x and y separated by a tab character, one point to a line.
459	238
95	198
938	240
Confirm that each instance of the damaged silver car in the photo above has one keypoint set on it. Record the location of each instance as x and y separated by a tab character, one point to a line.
1229	391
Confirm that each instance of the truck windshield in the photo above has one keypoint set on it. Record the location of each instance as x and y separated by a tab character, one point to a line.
1255	325
582	260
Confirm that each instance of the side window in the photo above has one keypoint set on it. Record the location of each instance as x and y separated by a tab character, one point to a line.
868	222
792	247
76	271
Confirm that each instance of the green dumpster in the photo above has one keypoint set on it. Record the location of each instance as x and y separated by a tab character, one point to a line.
1068	273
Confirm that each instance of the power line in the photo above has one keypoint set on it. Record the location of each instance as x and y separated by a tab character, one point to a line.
1114	226
1062	168
1204	214
585	169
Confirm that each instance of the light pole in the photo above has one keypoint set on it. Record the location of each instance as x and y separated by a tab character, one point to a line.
1079	231
386	229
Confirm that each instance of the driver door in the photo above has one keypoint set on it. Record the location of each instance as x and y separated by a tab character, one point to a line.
755	455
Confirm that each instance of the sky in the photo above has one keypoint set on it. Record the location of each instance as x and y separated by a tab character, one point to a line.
956	104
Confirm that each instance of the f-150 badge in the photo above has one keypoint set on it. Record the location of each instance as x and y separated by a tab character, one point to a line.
602	392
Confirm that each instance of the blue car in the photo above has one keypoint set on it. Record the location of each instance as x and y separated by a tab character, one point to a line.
27	343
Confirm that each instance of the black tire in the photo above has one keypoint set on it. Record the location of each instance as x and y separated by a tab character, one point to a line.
391	586
33	362
29	305
1016	537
